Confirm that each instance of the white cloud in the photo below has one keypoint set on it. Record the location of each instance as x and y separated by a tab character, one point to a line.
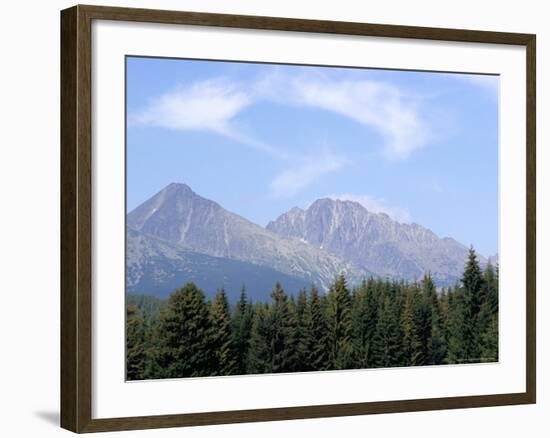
375	205
311	168
205	105
374	104
209	105
212	105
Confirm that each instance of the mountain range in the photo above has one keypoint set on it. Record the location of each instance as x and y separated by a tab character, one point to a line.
158	267
373	241
178	236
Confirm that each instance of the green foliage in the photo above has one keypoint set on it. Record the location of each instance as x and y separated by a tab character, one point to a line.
454	327
362	327
437	346
387	343
184	335
150	306
489	341
487	322
135	343
241	327
339	325
473	293
315	336
377	324
408	326
282	353
259	353
296	336
223	358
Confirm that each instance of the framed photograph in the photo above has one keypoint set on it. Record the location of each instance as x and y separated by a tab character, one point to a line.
270	218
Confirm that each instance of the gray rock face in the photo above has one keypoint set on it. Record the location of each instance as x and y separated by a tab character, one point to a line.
158	267
178	235
179	216
373	241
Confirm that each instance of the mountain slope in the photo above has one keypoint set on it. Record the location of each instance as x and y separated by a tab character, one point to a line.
156	267
373	241
178	215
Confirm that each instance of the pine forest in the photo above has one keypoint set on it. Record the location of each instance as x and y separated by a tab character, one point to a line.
378	323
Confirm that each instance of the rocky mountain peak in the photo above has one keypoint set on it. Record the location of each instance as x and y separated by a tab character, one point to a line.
178	215
178	189
336	204
170	213
373	241
296	211
315	244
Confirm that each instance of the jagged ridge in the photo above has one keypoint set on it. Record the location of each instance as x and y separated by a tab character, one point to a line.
178	215
373	241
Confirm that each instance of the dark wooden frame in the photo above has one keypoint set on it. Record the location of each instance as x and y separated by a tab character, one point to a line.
76	235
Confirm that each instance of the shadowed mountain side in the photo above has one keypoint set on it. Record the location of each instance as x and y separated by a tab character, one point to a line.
157	267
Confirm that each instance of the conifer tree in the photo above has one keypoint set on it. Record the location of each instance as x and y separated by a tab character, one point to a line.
408	325
489	342
423	323
437	349
373	311
491	283
387	345
296	337
456	352
361	337
292	338
339	325
224	357
241	326
184	335
316	340
279	322
472	282
487	324
259	354
301	307
444	306
135	344
153	368
489	299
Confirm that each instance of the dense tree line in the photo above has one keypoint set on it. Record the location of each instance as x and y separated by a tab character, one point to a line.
379	323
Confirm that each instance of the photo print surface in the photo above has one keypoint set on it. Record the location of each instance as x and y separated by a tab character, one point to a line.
289	218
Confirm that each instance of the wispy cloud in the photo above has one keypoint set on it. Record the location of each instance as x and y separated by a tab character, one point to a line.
375	205
212	105
205	105
377	105
308	170
209	105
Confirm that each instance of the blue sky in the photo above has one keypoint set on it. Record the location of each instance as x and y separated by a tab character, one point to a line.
260	139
